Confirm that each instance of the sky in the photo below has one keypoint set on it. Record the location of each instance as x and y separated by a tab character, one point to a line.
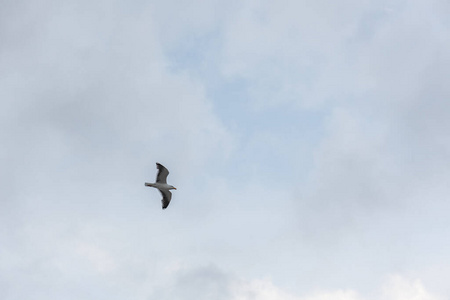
308	141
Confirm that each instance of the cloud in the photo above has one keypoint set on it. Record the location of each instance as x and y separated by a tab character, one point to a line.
99	258
89	105
200	283
395	288
357	184
88	95
297	53
210	282
383	143
399	288
376	72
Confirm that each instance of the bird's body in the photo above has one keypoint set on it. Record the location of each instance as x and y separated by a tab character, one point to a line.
162	186
159	186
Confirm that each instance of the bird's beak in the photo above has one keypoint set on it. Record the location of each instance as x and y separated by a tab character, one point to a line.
174	188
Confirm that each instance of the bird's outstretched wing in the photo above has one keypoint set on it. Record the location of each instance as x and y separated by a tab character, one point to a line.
167	196
161	177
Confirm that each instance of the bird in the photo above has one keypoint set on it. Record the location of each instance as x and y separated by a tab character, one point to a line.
162	186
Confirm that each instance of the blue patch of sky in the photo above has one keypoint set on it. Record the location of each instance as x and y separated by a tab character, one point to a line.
195	53
270	141
370	22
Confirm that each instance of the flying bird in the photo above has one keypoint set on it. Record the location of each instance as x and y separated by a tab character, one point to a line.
162	186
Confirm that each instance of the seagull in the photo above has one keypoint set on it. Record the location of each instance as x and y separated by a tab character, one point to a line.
162	186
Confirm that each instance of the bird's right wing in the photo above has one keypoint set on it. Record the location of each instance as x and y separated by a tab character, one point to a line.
167	196
161	177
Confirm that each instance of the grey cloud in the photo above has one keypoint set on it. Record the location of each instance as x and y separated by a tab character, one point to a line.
86	96
382	84
199	283
86	90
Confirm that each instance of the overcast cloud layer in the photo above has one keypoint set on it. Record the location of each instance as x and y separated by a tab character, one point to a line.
308	141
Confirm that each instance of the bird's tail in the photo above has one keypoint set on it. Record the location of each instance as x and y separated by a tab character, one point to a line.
148	184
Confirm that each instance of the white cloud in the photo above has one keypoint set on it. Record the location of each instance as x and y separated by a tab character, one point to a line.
99	258
400	288
210	282
396	288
